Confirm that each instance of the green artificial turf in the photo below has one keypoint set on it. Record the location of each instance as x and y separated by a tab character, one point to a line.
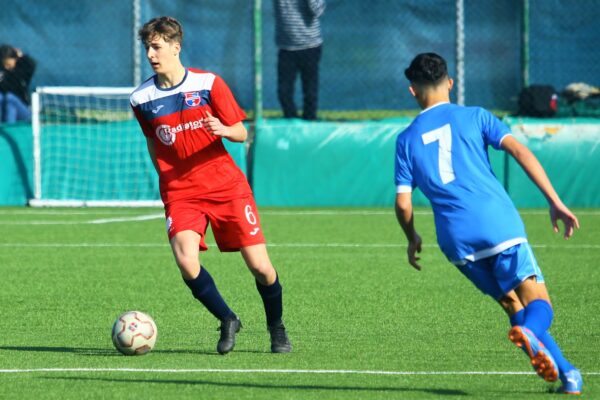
363	323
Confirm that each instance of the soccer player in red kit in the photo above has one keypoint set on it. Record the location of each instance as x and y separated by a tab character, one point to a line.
185	114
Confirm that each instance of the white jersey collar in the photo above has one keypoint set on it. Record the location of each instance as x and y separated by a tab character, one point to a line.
435	105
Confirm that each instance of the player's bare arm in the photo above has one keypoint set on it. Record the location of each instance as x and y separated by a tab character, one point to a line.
535	171
235	133
152	153
405	217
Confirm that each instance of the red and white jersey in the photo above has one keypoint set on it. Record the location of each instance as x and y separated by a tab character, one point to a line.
192	162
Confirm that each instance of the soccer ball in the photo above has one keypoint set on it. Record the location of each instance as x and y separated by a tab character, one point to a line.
134	333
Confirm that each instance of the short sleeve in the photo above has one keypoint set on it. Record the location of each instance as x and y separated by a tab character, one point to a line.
492	128
145	125
224	104
402	168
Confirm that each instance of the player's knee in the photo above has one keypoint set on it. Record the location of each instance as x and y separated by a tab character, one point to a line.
261	268
263	271
510	303
187	263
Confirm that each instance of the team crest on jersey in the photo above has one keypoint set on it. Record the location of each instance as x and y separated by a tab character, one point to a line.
192	99
165	134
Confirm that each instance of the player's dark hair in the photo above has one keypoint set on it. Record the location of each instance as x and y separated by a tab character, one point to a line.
427	69
166	27
7	51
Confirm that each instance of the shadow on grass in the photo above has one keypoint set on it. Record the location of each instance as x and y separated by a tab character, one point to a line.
90	351
252	385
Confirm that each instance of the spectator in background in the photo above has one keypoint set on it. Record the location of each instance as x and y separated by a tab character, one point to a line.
298	37
16	71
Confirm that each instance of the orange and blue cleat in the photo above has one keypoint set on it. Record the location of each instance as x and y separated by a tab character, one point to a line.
541	359
572	383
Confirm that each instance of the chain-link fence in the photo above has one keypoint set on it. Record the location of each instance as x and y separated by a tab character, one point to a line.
493	47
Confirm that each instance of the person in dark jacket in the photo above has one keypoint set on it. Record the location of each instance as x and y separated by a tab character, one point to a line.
16	71
298	37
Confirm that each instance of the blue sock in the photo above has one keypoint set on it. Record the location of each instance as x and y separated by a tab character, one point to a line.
517	318
272	299
538	317
204	289
561	362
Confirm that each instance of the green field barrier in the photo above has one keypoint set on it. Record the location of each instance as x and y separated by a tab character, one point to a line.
16	164
298	163
351	164
569	151
331	163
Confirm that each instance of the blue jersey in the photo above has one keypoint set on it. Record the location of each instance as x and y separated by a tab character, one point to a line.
444	153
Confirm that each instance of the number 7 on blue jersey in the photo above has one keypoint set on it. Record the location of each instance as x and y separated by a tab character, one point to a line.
443	136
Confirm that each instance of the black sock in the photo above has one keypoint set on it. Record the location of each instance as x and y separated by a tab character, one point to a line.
204	289
272	299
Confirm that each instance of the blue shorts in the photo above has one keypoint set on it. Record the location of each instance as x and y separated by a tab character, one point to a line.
501	273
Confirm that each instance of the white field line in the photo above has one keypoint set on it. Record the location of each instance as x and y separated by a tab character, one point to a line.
265	212
282	245
147	217
391	212
127	219
136	218
268	212
268	371
133	218
82	211
93	245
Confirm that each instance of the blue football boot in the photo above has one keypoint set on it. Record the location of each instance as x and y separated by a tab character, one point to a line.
572	383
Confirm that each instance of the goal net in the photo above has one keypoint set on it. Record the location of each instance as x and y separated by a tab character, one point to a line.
89	149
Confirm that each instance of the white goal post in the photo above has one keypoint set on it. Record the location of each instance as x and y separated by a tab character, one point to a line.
88	150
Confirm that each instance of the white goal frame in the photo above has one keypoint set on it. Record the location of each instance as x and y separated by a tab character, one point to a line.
38	200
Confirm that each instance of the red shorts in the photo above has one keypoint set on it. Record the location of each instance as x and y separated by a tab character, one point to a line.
235	223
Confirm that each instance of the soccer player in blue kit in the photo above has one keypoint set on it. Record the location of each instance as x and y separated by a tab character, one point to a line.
444	153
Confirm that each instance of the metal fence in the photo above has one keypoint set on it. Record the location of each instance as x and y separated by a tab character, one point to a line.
492	47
